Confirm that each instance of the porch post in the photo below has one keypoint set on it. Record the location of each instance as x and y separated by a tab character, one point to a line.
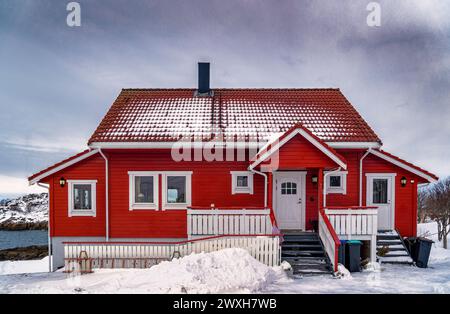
320	187
373	249
270	196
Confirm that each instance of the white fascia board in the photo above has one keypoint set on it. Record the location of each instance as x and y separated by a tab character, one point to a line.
64	165
403	165
363	145
169	145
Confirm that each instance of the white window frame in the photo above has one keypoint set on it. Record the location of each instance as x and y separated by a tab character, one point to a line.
188	203
143	206
337	190
82	212
238	189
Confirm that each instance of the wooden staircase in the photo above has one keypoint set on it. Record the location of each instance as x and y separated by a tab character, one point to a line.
305	253
392	242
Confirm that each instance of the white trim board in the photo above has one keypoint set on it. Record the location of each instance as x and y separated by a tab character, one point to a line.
261	144
63	166
403	165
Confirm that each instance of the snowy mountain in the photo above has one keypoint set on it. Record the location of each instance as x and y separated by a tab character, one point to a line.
25	212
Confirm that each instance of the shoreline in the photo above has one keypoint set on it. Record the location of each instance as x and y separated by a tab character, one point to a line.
23	226
33	252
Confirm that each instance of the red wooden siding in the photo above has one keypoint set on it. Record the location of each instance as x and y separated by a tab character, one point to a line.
300	153
211	184
405	197
92	168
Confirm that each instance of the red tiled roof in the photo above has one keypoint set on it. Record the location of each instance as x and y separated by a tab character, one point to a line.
61	163
404	162
159	115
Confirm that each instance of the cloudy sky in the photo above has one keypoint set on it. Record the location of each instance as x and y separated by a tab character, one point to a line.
57	82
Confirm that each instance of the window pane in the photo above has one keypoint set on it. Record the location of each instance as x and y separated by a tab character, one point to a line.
380	191
242	181
82	194
288	188
335	181
176	189
143	189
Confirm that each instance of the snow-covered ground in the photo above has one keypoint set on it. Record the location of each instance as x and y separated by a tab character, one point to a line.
228	271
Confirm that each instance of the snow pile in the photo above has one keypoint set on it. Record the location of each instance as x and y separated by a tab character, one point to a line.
31	208
228	270
225	271
343	272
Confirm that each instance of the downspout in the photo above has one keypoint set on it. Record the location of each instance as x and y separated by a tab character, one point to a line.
50	268
265	183
106	194
360	175
324	188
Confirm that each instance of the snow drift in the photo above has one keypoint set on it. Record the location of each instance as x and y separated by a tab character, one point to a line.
228	270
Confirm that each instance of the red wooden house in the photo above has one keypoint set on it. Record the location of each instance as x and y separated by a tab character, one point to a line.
175	166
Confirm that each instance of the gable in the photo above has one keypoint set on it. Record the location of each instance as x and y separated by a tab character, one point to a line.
298	148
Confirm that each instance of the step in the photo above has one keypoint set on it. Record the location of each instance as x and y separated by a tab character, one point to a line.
396	255
303	253
304	240
388	243
312	272
306	246
296	245
391	249
296	252
388	237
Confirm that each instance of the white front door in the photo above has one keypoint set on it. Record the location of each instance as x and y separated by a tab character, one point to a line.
289	200
380	193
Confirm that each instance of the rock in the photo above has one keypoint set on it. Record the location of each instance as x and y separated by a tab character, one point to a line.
24	253
28	212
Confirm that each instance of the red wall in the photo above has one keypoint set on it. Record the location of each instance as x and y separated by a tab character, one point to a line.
63	225
300	153
211	183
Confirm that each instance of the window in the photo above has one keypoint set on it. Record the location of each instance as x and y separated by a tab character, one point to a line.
380	191
337	182
241	182
82	197
143	190
176	190
288	188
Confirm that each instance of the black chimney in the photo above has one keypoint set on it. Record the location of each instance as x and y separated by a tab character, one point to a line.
203	78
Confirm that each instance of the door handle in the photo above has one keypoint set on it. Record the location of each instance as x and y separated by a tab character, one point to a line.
299	201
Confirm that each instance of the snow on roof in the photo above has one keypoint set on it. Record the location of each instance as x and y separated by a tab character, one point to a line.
250	115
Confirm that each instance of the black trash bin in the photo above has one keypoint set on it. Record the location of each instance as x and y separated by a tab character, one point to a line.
353	255
341	252
420	249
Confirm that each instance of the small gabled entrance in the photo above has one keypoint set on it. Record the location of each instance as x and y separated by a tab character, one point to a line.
289	200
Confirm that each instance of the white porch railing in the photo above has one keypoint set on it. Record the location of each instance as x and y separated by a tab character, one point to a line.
85	256
329	239
208	222
353	221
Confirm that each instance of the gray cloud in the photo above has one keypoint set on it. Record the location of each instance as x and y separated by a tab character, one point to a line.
57	82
